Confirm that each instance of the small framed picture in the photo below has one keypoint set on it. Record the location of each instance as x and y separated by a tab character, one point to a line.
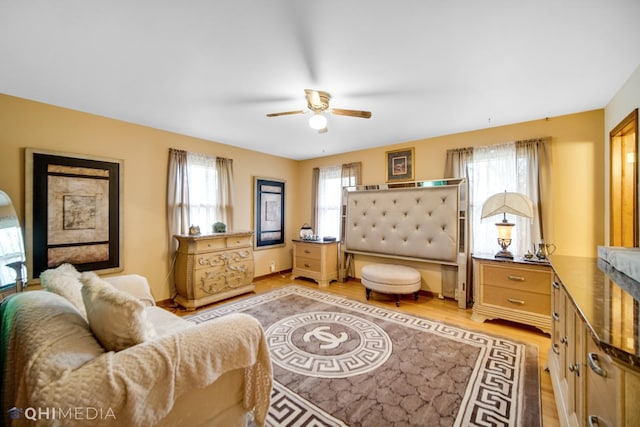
400	165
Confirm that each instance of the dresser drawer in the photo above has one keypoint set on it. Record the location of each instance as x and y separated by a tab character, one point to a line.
309	264
209	245
238	241
516	299
521	278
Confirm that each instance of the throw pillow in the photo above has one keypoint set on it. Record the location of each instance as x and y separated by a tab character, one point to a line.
64	280
118	320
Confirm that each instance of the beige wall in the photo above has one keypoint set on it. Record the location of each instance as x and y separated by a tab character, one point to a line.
577	168
578	187
145	154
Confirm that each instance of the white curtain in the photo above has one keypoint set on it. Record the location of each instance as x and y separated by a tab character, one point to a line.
329	201
203	185
492	171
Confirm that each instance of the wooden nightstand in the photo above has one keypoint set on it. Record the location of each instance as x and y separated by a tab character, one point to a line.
317	260
514	290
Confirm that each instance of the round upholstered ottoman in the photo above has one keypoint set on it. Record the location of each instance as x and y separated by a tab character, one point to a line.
390	279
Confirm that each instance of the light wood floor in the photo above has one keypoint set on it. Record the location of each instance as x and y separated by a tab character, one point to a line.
433	308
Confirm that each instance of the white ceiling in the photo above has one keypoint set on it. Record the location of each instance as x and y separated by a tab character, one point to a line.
213	69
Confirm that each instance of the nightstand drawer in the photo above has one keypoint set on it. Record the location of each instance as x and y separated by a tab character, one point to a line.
516	299
308	250
521	278
309	264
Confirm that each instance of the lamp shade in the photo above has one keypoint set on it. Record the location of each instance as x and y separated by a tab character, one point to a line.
512	203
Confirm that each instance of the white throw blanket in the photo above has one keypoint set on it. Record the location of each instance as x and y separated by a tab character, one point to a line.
51	360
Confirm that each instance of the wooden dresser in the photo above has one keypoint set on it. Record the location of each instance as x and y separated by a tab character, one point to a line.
212	267
317	260
519	291
594	358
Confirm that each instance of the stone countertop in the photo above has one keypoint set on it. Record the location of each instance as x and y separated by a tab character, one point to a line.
607	300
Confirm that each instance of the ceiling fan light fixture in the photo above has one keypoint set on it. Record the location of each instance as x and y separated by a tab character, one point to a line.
318	121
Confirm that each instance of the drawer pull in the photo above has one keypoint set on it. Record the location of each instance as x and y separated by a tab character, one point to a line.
307	265
307	251
595	366
556	285
554	347
555	316
515	301
564	340
593	421
575	367
516	278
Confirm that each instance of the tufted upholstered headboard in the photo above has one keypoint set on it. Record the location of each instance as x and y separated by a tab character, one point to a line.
420	223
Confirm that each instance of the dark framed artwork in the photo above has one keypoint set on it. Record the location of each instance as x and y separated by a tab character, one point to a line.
73	212
400	165
269	213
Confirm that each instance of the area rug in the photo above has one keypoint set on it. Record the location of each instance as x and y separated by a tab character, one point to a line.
339	362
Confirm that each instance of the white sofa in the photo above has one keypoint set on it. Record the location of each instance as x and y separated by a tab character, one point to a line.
56	369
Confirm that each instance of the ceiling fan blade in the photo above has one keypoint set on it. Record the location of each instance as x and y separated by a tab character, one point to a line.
285	113
351	113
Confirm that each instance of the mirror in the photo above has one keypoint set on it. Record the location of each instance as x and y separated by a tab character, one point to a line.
12	257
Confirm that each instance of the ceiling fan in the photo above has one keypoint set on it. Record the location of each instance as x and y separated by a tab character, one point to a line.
318	103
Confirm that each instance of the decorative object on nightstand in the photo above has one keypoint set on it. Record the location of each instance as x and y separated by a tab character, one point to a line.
506	203
305	231
219	227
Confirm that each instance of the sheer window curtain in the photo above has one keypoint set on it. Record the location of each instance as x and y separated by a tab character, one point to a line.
329	201
327	184
521	166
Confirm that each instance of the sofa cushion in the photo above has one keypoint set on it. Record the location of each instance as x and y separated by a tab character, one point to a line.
64	280
165	322
133	284
117	319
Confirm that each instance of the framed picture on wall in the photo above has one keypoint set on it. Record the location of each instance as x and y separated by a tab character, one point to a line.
400	165
269	213
73	212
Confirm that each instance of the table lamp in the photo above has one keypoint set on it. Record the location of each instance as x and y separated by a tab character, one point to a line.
506	203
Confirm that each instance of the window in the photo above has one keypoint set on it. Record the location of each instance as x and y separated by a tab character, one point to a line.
496	168
199	192
328	184
329	201
203	194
